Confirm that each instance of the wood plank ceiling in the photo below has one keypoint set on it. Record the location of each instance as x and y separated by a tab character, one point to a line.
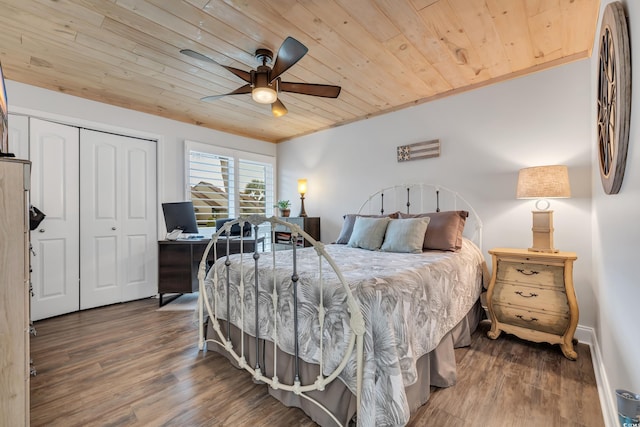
386	54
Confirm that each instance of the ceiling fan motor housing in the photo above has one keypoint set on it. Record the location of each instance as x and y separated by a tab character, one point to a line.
265	56
261	77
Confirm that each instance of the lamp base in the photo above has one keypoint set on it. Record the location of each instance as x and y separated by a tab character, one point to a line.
303	213
542	232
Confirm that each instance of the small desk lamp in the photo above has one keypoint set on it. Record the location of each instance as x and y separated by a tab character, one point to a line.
302	189
543	182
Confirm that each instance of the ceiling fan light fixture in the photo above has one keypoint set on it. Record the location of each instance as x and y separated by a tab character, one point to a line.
264	95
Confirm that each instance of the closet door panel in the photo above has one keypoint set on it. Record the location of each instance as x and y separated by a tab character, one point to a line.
118	202
100	192
104	177
137	175
135	249
105	251
139	221
52	267
54	152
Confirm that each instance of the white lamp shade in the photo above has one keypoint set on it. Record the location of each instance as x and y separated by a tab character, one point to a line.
543	182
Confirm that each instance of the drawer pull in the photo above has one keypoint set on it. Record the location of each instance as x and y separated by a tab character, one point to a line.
531	294
521	317
527	272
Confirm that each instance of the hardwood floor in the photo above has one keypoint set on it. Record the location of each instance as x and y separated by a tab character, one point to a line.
130	365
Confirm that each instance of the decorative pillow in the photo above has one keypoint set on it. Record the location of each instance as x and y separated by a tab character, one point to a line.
445	229
350	219
405	235
368	233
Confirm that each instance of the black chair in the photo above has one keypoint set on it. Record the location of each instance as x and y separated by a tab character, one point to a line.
235	228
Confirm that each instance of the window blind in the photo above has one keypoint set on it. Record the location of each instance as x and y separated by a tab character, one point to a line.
225	183
211	186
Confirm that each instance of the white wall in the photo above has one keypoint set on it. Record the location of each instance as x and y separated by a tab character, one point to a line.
616	235
487	135
46	104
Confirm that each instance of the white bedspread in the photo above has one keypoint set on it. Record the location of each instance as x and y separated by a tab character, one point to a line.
409	302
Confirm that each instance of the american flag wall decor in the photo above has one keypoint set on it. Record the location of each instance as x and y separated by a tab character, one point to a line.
419	150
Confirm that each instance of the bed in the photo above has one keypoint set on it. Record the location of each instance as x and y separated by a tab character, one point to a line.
356	331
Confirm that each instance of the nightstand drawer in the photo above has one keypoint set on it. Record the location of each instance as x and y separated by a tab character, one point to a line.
531	273
537	298
552	323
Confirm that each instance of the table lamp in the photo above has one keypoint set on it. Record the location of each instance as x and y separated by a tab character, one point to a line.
302	189
542	183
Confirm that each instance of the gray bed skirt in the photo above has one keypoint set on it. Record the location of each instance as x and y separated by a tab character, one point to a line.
437	368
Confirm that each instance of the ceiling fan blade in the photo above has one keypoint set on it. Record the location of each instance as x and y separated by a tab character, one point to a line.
327	91
278	109
239	91
197	55
290	52
244	75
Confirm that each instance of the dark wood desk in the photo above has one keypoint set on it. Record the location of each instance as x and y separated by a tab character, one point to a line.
179	260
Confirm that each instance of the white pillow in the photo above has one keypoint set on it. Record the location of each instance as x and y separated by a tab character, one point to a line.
368	233
405	235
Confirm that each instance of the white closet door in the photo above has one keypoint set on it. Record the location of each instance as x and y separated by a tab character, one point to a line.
139	220
19	136
118	222
54	190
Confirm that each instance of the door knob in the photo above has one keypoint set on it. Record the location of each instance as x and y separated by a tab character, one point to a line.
113	228
41	230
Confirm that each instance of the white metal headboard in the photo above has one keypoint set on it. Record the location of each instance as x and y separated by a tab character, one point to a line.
419	198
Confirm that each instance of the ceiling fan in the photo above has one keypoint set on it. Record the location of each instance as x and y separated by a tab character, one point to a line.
264	83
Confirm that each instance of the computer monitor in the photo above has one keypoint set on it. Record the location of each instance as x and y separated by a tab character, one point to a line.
180	216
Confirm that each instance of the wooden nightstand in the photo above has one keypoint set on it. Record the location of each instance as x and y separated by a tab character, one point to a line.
531	295
310	225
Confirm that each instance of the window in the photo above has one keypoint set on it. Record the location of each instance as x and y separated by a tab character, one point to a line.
224	183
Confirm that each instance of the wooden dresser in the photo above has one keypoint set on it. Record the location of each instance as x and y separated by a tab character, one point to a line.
14	293
531	295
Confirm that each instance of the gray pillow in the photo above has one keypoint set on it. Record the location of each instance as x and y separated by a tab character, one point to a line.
350	219
368	233
405	235
347	229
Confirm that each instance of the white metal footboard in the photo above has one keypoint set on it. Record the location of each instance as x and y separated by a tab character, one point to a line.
222	337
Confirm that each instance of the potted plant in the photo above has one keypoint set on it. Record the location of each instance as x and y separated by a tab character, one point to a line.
284	205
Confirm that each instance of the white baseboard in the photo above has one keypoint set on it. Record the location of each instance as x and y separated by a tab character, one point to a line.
587	336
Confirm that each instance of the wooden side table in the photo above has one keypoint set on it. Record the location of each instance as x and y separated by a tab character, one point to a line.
531	295
310	225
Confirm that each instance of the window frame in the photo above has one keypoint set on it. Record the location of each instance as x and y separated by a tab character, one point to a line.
237	156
